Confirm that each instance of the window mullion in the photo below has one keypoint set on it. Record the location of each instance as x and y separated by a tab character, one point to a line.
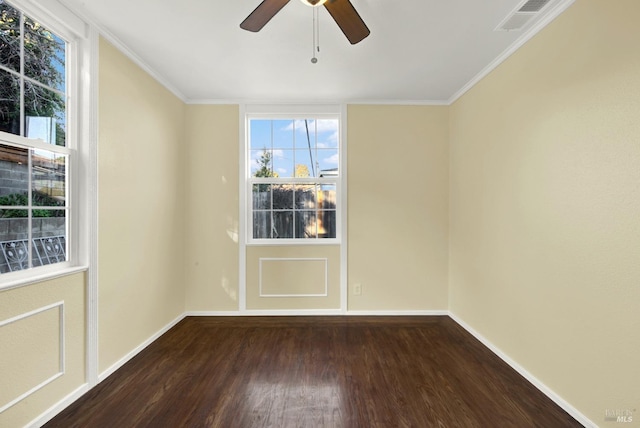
279	133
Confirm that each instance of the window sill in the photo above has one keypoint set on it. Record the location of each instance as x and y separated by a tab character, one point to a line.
31	279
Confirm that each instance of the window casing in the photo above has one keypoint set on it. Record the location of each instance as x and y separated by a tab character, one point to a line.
37	142
293	183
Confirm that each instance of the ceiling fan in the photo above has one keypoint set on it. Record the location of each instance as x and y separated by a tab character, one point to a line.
342	12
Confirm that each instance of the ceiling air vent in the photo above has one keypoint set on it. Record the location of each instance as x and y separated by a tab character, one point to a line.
518	19
533	6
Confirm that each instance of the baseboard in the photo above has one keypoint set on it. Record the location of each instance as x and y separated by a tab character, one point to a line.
313	312
531	378
266	313
102	376
428	313
58	407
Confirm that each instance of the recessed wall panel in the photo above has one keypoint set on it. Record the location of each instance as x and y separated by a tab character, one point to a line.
22	368
293	277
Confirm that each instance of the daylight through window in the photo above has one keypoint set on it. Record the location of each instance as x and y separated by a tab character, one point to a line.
294	178
34	158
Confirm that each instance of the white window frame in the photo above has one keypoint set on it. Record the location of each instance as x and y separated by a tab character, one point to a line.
287	112
81	136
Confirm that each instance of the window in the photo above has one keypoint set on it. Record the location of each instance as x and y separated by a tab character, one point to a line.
34	153
293	178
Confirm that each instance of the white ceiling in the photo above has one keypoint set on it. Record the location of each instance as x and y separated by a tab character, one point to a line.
419	51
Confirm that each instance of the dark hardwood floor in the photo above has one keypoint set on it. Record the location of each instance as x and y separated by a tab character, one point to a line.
315	372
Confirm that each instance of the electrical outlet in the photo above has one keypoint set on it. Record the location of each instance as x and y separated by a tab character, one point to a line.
357	289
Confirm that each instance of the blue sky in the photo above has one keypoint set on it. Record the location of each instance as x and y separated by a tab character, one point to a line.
287	141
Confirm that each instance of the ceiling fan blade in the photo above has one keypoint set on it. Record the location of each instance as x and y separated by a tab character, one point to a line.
262	14
348	20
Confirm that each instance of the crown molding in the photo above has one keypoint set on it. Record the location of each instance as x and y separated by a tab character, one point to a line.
551	15
122	47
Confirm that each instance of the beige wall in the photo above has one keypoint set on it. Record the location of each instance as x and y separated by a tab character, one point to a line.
308	275
397	154
516	208
141	206
545	203
211	232
398	207
30	347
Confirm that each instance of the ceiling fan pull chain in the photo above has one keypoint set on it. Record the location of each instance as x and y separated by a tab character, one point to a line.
316	35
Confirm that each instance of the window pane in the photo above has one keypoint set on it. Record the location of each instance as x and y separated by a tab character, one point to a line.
9	102
49	237
49	178
261	163
298	149
327	197
14	240
45	115
305	134
305	164
283	163
328	160
283	224
326	224
44	59
282	134
260	132
306	224
261	224
328	133
282	197
305	196
261	196
14	176
9	37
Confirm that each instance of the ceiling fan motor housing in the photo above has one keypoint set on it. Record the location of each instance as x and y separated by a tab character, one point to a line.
314	2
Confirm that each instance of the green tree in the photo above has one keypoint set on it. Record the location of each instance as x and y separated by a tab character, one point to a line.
264	171
265	165
43	62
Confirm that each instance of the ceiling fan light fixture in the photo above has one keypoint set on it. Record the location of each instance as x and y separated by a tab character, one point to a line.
314	3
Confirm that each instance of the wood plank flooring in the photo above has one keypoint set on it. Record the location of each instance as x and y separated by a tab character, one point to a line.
315	372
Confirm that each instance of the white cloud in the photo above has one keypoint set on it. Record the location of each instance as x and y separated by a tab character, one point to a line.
332	160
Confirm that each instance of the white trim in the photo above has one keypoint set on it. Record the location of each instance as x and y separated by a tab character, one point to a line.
552	14
242	211
61	405
214	314
50	413
528	376
124	49
399	102
344	209
291	110
61	350
88	226
294	259
266	313
549	16
58	16
233	101
316	312
401	313
32	143
122	361
33	279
